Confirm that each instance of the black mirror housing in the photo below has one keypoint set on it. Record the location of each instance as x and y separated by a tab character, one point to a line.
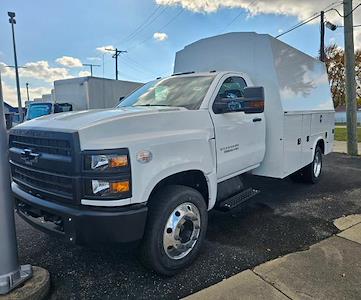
253	100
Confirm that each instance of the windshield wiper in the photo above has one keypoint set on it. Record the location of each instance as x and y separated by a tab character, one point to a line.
151	105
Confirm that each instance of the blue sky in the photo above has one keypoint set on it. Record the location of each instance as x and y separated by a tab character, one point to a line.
49	30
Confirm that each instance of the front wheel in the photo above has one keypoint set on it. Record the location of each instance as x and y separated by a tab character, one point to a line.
175	230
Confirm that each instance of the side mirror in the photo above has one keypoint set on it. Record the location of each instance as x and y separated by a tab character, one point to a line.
253	100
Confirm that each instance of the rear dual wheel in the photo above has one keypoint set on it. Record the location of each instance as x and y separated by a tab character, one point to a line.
312	172
175	230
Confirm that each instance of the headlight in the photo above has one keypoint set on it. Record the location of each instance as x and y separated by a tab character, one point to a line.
106	162
106	174
106	188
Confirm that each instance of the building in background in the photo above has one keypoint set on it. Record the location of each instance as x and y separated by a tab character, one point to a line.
11	115
92	92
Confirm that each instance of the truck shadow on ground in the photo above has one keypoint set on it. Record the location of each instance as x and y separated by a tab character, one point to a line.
284	218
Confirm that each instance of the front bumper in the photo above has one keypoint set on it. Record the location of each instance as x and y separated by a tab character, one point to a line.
80	224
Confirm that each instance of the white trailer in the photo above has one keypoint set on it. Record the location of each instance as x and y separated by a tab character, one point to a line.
298	107
92	92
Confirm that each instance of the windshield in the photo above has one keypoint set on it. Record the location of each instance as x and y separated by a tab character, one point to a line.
38	110
175	91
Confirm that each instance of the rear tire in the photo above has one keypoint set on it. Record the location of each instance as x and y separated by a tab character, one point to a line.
175	229
312	172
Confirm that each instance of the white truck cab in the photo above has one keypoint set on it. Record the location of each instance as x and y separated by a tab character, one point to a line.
150	169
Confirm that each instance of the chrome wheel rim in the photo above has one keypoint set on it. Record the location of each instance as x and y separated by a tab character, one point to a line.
317	164
182	231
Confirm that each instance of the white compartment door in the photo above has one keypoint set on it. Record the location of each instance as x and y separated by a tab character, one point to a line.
292	145
307	151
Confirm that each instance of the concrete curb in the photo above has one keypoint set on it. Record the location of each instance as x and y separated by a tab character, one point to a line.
334	258
36	288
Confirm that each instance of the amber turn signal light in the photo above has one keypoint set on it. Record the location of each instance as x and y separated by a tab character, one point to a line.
119	186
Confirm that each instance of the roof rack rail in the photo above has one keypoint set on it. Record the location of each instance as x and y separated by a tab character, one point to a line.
183	73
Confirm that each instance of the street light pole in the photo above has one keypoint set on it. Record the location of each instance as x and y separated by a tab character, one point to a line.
12	21
350	80
27	90
91	68
322	43
11	273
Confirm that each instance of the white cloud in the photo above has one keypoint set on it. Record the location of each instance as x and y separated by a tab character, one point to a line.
84	73
160	36
70	62
10	95
102	49
37	70
6	71
300	9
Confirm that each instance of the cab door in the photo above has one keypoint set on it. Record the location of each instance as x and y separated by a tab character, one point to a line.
240	136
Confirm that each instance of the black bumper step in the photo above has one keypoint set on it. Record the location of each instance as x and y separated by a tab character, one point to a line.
237	199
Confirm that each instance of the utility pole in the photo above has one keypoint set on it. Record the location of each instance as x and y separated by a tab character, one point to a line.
322	43
350	80
12	21
11	273
115	55
91	67
27	90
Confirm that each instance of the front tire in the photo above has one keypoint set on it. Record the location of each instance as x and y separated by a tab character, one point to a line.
175	230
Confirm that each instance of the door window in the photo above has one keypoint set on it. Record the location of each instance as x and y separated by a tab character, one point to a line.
232	89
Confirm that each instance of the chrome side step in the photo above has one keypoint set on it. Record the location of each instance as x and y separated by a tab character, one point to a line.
237	199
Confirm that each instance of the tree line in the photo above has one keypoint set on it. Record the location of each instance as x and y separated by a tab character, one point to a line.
335	65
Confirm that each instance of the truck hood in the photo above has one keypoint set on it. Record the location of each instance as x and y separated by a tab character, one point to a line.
88	118
126	127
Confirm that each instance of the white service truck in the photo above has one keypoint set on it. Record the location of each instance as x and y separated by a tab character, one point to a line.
151	169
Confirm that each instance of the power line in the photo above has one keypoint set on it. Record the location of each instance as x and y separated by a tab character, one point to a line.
309	19
160	29
238	15
134	68
298	25
142	24
147	24
358	25
342	16
140	66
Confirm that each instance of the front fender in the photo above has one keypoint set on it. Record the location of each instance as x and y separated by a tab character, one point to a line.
193	154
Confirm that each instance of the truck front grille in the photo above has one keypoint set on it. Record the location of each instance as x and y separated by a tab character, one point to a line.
44	145
45	164
38	183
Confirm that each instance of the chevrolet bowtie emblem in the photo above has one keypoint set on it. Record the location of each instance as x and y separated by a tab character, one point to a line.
29	157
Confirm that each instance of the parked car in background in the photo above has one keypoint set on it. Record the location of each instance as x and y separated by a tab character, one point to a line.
39	109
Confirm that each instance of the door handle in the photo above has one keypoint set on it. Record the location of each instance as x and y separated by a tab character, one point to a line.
257	119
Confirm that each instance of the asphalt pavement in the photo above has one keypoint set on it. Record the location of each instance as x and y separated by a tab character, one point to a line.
285	217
